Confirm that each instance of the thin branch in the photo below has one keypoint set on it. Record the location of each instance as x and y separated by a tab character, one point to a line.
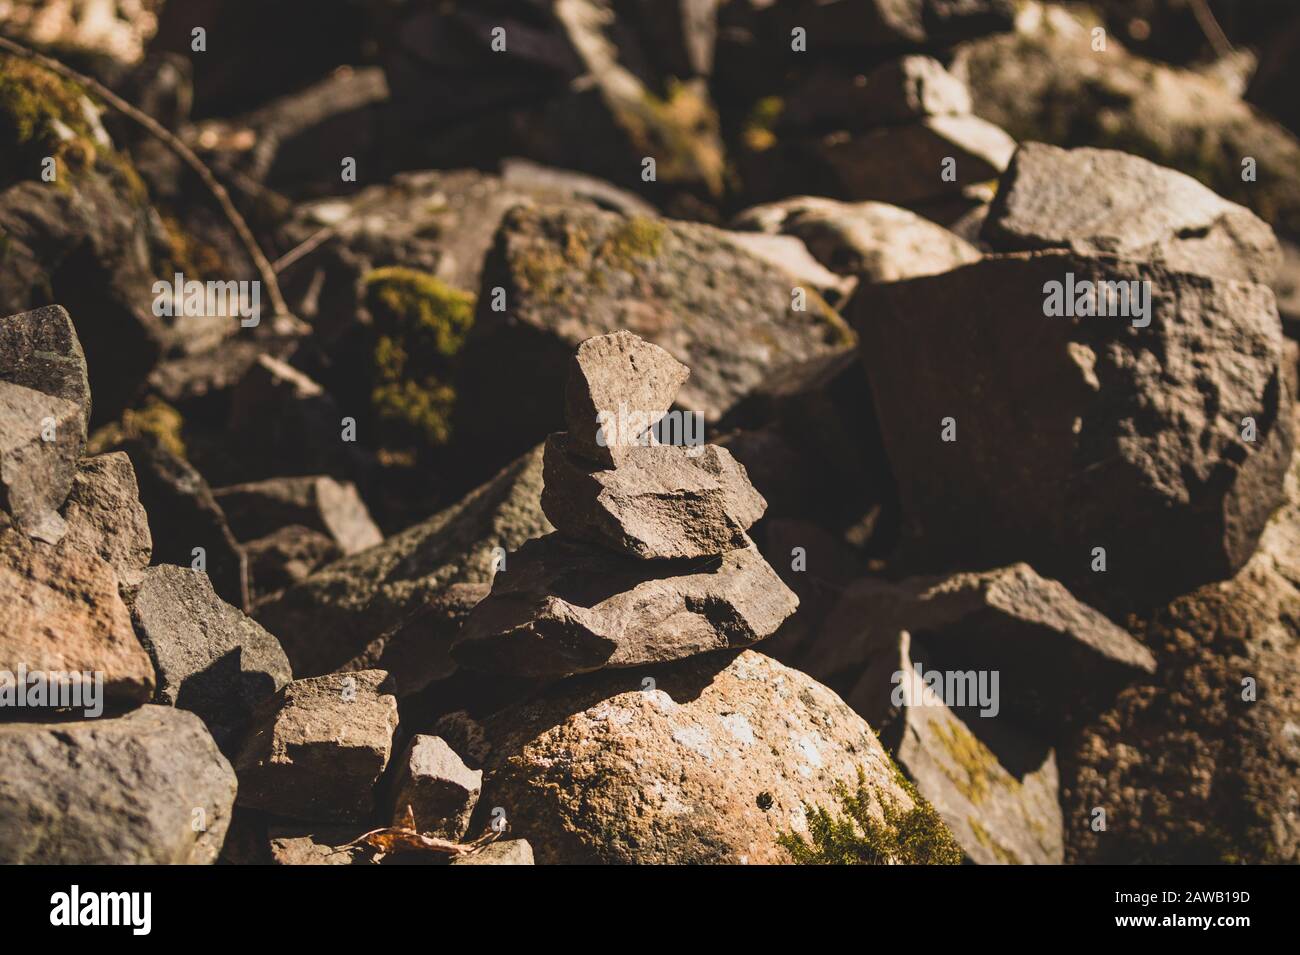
183	152
1210	27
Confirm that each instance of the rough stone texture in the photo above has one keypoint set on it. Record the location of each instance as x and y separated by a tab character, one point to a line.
708	763
439	789
1076	433
571	274
873	240
61	612
664	501
210	658
1059	660
104	516
1188	770
337	611
999	815
787	254
35	474
39	349
1045	83
319	846
316	749
284	557
563	607
317	502
1099	201
417	651
122	791
184	515
505	852
610	373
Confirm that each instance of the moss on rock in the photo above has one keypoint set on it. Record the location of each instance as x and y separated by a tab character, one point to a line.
155	417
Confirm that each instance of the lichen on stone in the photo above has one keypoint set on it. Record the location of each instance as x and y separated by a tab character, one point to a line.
420	325
978	769
155	417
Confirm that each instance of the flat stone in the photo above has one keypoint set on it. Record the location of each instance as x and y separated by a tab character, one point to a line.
503	852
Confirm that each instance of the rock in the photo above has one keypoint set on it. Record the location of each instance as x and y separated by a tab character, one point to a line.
438	788
210	658
104	516
504	852
571	274
132	790
1045	83
1058	660
553	184
563	607
335	613
1080	438
663	501
1098	201
789	255
1203	765
316	749
322	845
62	614
417	651
708	763
610	373
117	30
284	557
36	474
317	502
40	350
998	816
183	516
872	240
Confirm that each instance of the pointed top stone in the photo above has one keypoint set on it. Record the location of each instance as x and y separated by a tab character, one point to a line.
622	381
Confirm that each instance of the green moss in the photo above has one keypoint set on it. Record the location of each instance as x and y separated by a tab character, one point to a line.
915	836
41	115
761	122
680	130
977	770
420	325
155	417
1000	852
634	239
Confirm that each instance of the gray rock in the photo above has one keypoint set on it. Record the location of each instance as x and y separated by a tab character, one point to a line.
338	611
561	607
1058	660
437	787
316	749
609	377
210	658
104	516
662	501
504	852
873	240
36	474
149	787
39	349
317	502
789	255
61	612
1099	201
708	762
1071	434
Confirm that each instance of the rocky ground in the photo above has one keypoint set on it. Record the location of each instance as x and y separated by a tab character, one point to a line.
617	431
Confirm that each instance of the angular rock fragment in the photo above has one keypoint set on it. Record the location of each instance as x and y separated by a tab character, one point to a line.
131	790
61	613
438	788
662	501
40	440
1058	660
505	852
39	349
1100	201
1081	438
336	612
563	607
316	749
318	502
708	763
104	516
999	816
284	557
185	521
322	845
610	378
210	658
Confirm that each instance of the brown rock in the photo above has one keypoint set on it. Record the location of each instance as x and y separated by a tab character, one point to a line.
36	474
437	787
104	516
317	502
39	349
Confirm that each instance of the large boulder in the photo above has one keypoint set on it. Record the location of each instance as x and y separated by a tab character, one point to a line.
708	760
1016	434
149	787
